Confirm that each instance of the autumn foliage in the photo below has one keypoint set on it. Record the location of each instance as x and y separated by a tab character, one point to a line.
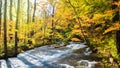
87	21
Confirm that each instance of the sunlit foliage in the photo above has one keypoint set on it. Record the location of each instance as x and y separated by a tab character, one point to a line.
87	21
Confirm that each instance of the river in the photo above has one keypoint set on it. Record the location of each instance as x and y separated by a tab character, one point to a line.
73	55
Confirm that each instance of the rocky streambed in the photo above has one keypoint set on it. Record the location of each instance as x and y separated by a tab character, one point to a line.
73	55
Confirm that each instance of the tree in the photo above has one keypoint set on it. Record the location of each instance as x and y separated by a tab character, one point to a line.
45	23
0	15
11	4
115	19
79	19
28	11
52	3
53	27
16	27
5	30
33	18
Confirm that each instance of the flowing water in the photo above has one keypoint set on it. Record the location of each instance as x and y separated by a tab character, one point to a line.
74	55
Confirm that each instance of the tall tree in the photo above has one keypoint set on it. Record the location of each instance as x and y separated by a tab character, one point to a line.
53	27
28	11
52	3
45	24
11	3
5	30
16	27
115	19
0	15
79	21
33	18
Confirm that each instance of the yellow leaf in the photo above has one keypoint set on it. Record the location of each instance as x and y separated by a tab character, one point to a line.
76	26
117	3
75	39
116	26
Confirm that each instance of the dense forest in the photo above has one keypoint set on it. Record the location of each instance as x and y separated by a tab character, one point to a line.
26	24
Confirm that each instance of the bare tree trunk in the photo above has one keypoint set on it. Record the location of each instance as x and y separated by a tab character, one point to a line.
10	15
28	15
53	12
115	19
5	30
11	9
118	41
0	17
33	18
28	12
16	27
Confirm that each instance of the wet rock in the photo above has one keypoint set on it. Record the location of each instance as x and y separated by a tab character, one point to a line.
79	51
86	63
99	65
83	63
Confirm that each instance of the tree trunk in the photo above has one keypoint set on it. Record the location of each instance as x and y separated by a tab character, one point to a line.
5	30
28	12
118	41
33	18
16	27
0	17
53	12
10	15
45	24
115	19
11	9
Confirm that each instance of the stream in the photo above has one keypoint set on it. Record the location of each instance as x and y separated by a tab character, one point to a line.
73	55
